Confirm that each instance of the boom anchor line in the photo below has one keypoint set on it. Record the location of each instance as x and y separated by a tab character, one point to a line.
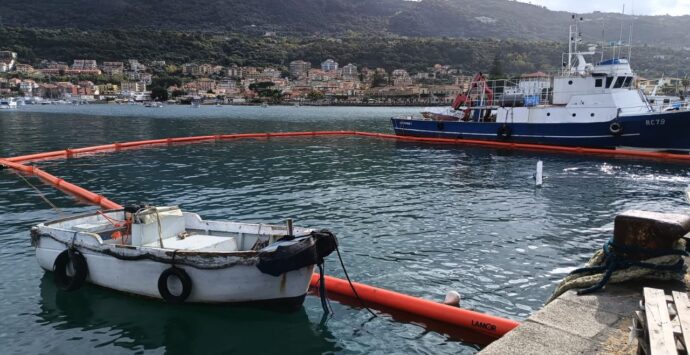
490	326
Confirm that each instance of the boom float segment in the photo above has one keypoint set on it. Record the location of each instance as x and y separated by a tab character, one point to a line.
491	326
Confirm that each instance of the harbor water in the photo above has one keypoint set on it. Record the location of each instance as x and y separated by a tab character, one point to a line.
420	219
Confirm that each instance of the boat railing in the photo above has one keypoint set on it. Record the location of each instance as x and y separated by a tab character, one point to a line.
519	92
666	106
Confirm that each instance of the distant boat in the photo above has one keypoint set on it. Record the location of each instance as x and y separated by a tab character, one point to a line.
153	104
264	105
584	105
8	103
164	253
196	103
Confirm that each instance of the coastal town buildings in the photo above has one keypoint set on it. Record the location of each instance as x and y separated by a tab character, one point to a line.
24	68
84	64
298	81
113	68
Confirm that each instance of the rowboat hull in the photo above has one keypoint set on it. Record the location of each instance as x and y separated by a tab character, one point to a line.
193	260
235	284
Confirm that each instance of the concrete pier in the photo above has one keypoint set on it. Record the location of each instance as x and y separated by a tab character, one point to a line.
597	323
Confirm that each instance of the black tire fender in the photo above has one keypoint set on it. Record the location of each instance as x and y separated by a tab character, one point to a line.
616	128
62	280
184	279
504	132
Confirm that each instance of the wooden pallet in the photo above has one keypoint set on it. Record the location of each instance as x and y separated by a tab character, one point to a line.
663	327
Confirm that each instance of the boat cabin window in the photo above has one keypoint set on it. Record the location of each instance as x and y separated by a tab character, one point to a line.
598	83
619	82
609	80
628	81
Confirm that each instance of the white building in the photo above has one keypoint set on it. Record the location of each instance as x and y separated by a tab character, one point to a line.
7	61
329	65
350	71
299	68
132	87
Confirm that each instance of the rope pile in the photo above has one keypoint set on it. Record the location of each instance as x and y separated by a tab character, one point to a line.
611	265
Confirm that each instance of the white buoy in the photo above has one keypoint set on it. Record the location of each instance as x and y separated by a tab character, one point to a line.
452	299
538	176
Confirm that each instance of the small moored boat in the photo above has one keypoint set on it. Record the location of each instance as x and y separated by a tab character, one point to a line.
165	253
9	103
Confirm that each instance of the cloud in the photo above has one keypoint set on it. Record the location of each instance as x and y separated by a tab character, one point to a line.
639	7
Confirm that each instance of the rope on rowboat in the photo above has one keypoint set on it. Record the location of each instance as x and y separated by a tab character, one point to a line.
40	194
342	264
609	265
325	304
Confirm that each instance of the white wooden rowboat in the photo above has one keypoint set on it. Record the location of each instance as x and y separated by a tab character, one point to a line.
164	253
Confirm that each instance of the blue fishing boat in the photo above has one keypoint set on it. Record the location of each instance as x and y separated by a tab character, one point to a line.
583	105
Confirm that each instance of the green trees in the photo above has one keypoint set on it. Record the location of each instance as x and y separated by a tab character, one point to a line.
496	71
315	96
470	55
265	90
159	94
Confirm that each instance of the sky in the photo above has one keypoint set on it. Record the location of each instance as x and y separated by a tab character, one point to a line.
637	7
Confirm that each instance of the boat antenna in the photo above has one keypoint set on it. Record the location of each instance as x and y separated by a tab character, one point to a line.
603	40
571	39
620	39
630	34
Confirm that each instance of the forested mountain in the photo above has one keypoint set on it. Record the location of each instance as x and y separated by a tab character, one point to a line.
498	19
414	54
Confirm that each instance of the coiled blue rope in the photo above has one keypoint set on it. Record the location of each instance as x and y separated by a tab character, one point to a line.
614	260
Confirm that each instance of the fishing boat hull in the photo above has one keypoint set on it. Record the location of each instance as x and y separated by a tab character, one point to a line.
657	131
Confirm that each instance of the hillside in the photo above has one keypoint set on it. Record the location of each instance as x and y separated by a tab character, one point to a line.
414	54
498	19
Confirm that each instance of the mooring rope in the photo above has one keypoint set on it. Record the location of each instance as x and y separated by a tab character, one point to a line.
609	264
41	195
342	264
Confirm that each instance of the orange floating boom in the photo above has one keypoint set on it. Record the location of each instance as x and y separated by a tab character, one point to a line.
455	141
63	185
492	326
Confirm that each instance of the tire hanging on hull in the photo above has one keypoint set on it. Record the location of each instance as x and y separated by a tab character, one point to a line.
185	280
66	282
504	132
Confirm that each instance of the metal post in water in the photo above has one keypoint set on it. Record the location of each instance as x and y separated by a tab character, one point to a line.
538	176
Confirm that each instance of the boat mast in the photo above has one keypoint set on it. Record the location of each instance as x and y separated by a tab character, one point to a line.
572	46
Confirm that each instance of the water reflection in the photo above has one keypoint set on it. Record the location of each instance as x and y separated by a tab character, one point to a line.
136	323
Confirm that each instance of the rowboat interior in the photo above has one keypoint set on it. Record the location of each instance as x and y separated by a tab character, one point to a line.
169	228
